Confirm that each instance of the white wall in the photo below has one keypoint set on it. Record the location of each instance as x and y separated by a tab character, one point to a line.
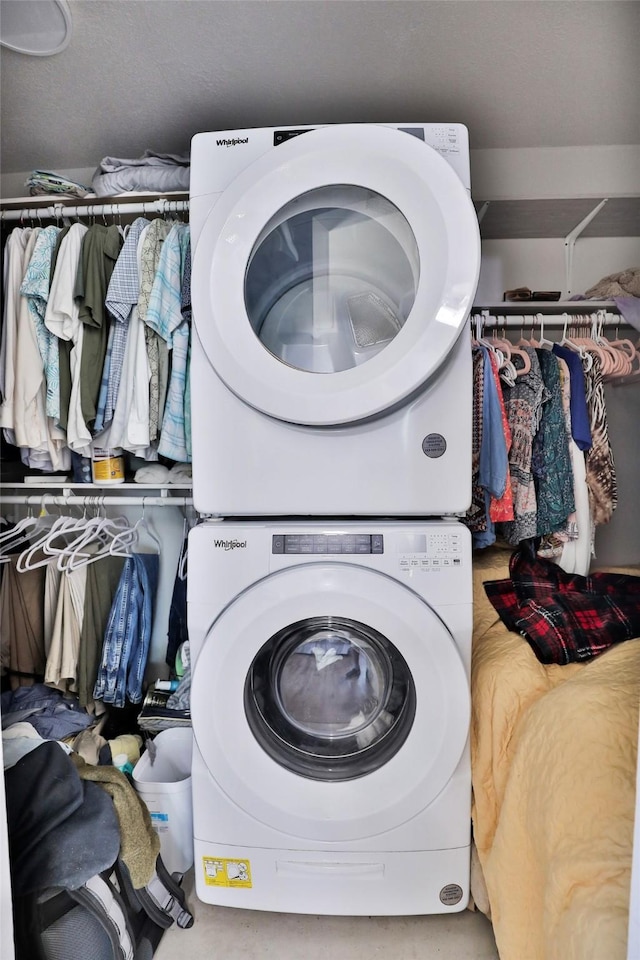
540	264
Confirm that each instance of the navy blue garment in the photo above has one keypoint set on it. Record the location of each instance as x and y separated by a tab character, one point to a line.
580	429
53	715
177	634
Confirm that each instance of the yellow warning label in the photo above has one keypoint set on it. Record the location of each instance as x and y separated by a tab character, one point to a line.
111	468
223	872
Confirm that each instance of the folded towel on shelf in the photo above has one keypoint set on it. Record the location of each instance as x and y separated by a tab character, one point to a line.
152	172
45	182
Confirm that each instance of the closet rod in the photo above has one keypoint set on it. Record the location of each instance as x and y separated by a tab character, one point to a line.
57	211
53	500
546	307
557	321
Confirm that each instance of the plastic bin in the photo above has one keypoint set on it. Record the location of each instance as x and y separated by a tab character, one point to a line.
165	787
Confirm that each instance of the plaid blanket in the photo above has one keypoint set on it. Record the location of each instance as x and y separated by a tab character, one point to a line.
566	618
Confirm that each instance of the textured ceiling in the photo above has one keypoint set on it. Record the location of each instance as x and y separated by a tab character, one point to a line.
150	73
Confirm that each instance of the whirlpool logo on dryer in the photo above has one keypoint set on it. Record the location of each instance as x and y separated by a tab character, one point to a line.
231	143
230	544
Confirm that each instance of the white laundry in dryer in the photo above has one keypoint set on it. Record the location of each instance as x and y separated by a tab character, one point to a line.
334	269
330	709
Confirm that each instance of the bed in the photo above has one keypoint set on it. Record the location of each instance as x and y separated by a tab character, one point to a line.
553	753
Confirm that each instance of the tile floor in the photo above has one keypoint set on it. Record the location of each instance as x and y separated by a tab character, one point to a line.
230	934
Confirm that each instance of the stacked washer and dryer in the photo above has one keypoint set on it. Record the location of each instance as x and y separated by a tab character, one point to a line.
329	603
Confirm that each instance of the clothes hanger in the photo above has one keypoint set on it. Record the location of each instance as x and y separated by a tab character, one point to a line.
615	361
590	344
97	541
141	525
570	344
515	351
35	555
16	534
622	350
542	343
25	530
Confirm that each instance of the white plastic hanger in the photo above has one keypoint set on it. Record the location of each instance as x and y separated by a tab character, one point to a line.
141	526
97	542
35	555
25	530
571	344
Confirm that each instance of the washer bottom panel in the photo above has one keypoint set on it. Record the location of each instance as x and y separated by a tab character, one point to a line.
340	884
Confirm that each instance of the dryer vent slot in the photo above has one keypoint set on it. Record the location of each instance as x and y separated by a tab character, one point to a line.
372	320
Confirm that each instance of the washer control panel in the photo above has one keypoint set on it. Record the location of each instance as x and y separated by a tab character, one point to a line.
438	551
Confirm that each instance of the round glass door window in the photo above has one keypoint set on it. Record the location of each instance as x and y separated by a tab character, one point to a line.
332	278
330	698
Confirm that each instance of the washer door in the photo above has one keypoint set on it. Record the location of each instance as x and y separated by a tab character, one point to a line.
334	275
330	702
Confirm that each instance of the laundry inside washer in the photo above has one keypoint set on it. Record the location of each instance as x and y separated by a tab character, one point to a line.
327	698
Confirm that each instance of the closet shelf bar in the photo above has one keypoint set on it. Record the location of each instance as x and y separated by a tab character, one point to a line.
55	500
531	307
551	308
56	211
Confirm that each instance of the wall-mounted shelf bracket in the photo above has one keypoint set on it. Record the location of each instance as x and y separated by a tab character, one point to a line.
482	210
570	242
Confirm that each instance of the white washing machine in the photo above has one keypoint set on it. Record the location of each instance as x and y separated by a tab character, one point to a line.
330	709
334	269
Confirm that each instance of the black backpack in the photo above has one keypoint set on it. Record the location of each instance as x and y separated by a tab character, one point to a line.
103	919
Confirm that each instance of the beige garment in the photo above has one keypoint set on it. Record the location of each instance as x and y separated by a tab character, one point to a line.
62	661
33	429
88	743
15	252
625	283
52	577
29	417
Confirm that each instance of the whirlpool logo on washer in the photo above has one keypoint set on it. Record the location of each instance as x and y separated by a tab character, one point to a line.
230	544
233	142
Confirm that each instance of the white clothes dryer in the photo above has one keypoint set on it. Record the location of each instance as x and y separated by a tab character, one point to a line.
330	710
334	269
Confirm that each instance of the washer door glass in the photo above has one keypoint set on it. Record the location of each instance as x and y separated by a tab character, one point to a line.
332	278
329	698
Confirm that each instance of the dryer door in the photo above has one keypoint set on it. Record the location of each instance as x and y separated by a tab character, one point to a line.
334	275
330	702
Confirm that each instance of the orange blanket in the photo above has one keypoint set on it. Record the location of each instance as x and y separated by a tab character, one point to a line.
553	752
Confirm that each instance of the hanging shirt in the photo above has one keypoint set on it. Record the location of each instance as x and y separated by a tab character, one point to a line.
494	460
128	633
35	288
580	429
164	315
62	317
122	294
157	351
129	427
601	472
551	459
523	404
100	248
15	264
